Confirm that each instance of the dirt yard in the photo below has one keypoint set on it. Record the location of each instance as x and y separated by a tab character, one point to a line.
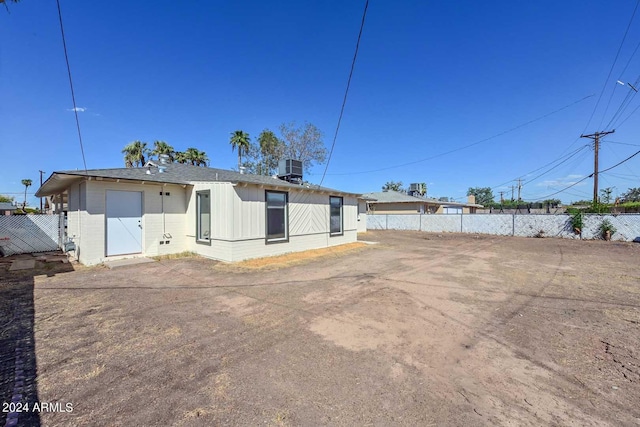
420	329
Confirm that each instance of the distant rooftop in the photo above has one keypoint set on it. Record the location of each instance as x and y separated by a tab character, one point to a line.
391	196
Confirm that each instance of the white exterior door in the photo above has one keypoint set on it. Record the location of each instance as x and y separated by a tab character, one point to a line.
124	222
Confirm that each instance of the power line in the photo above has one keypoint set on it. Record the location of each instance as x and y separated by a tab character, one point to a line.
568	156
604	86
634	110
562	162
73	97
346	92
625	102
468	145
626	166
587	177
621	143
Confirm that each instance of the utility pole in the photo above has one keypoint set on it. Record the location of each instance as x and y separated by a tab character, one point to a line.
41	173
596	146
519	188
501	198
512	189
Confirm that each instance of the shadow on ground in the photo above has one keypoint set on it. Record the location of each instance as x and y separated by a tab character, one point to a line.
18	367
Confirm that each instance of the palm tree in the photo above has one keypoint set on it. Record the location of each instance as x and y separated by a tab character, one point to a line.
161	147
26	183
202	159
181	157
195	157
242	142
134	154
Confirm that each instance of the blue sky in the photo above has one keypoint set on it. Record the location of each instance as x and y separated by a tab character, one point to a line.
431	77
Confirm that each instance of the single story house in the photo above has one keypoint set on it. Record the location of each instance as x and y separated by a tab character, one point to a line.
170	208
7	208
394	202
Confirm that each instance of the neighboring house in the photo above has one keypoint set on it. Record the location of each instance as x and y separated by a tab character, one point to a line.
394	202
7	208
221	214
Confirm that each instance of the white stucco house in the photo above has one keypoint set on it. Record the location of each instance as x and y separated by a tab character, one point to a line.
217	213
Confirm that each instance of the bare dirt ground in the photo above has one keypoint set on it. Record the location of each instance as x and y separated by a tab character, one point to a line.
421	329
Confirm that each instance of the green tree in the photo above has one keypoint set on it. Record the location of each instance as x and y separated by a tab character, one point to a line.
303	143
393	186
633	195
27	183
194	157
6	199
241	141
161	147
134	154
271	149
443	199
484	195
181	157
605	195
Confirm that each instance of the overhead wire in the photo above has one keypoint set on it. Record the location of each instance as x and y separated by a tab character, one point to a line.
626	166
568	156
631	93
562	158
620	143
346	92
529	181
617	83
468	145
627	118
588	176
73	96
604	86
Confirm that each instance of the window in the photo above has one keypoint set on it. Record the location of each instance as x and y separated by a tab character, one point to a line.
277	216
335	216
203	217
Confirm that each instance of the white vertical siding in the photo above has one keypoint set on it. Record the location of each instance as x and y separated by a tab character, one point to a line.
238	222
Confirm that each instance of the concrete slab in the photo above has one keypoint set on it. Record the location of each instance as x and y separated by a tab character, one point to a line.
23	264
126	262
57	258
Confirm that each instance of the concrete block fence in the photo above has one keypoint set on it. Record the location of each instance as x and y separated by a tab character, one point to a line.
627	225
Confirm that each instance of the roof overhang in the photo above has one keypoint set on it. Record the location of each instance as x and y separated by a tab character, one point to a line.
58	183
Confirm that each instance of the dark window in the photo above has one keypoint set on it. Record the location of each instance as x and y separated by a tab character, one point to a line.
335	217
203	216
277	220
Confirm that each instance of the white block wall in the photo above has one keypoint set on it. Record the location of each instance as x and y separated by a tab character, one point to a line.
87	223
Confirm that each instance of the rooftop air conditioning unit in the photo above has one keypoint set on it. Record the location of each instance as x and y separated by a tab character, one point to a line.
417	189
290	170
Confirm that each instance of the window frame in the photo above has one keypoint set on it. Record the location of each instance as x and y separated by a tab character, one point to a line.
341	232
272	240
198	221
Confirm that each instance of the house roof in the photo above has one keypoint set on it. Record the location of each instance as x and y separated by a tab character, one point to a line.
7	206
391	196
174	173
